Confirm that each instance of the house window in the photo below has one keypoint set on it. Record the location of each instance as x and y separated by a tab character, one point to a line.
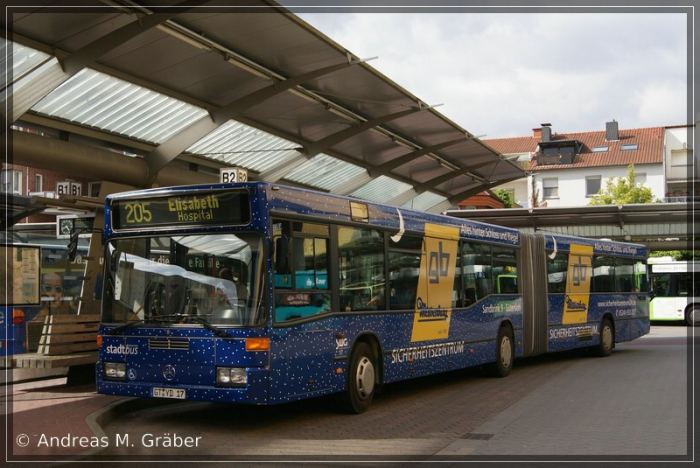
629	147
94	189
12	182
38	183
551	188
592	185
599	149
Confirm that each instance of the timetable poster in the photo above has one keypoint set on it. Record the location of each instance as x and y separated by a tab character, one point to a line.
20	268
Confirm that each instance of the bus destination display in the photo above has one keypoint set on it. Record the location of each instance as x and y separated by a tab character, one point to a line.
199	209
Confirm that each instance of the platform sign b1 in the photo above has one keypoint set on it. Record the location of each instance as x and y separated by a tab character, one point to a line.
230	175
69	188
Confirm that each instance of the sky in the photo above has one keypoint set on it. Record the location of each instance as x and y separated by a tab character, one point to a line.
500	75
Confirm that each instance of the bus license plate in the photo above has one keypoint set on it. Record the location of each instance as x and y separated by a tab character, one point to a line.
178	393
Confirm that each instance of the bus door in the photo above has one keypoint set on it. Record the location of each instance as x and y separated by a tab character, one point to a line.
666	303
303	333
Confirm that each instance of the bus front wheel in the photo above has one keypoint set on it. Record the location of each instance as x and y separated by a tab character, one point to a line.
360	381
692	315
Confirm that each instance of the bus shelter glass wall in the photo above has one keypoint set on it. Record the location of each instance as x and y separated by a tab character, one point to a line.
60	283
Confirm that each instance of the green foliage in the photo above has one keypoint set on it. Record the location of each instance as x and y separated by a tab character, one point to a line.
622	191
506	197
680	255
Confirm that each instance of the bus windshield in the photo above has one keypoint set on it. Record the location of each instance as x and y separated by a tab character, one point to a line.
213	279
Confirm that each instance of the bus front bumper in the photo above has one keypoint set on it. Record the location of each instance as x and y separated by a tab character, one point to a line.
255	392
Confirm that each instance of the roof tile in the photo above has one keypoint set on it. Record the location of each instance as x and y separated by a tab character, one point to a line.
649	140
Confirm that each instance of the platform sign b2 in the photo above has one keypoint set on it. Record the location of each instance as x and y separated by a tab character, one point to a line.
232	175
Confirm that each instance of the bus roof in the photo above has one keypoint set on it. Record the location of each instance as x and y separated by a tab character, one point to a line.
283	200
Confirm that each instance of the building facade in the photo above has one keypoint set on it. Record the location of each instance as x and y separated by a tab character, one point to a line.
568	169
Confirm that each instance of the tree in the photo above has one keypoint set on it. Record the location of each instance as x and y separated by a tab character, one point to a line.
506	197
623	191
678	255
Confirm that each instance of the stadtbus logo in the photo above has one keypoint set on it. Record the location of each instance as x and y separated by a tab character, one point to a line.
122	349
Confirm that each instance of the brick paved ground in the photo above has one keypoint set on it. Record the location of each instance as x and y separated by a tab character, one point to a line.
561	405
40	411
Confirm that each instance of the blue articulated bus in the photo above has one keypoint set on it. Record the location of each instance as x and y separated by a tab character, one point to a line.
257	293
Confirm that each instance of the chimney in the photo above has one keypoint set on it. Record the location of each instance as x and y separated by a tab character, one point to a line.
537	133
546	132
611	131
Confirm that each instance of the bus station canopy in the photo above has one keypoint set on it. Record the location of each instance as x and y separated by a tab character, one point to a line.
253	87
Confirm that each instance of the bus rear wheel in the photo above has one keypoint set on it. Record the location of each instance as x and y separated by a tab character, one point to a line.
607	339
505	353
360	381
692	315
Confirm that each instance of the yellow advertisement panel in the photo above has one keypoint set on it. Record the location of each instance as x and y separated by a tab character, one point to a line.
578	284
431	320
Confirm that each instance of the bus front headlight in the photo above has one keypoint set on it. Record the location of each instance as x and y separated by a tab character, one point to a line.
115	371
231	376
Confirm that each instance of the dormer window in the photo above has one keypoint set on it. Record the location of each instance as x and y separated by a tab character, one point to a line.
558	152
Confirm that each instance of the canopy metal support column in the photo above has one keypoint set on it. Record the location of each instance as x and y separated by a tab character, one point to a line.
170	149
389	166
440	207
353	184
285	167
402	198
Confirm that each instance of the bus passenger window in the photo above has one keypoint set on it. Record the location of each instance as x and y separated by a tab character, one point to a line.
556	273
660	285
404	280
476	271
404	268
603	274
458	299
505	270
624	275
640	277
361	269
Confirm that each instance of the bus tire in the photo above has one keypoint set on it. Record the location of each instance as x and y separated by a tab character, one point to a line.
360	381
607	339
692	315
505	353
